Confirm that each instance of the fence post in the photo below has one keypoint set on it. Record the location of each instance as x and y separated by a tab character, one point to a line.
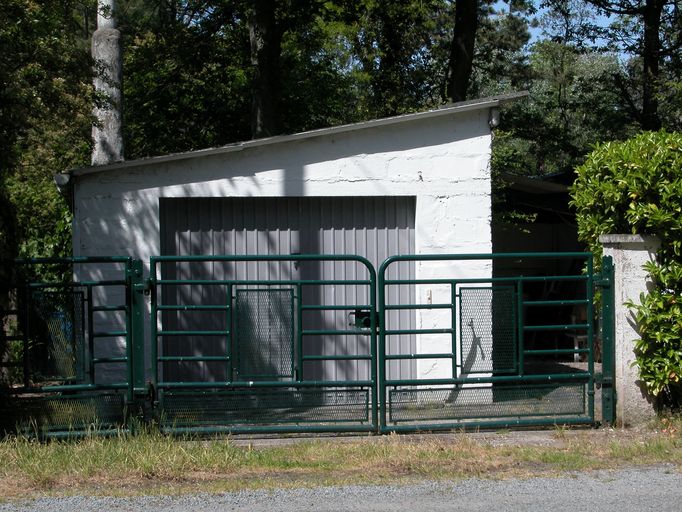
629	254
608	392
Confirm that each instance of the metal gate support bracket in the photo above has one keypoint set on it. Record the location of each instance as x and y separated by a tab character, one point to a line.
607	378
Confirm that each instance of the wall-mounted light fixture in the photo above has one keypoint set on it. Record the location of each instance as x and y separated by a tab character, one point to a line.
494	117
63	182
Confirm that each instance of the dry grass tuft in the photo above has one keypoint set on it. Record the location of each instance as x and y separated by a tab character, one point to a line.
152	463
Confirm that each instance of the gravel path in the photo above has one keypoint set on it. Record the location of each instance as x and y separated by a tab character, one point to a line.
656	489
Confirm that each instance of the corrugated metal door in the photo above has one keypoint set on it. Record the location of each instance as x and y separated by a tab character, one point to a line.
373	227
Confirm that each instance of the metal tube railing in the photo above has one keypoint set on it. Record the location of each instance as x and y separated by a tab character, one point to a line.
521	375
299	378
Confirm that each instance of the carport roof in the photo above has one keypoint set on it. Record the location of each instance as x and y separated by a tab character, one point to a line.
449	109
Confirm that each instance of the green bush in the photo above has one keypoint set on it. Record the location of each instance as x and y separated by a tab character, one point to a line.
636	187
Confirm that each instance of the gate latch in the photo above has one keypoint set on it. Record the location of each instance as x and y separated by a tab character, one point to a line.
600	380
363	319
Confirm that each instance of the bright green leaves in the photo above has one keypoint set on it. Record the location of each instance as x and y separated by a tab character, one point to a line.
632	187
659	351
636	187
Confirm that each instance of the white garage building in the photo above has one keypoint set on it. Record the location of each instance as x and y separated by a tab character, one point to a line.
413	184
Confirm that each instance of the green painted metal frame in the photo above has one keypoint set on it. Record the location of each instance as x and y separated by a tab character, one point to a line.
138	392
605	283
584	377
299	381
133	312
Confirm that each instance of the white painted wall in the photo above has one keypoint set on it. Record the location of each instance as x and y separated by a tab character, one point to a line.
443	161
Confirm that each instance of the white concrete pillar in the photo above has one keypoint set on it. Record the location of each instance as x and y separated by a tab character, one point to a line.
107	134
629	253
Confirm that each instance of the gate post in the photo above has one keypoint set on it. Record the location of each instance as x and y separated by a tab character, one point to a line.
629	253
136	290
608	391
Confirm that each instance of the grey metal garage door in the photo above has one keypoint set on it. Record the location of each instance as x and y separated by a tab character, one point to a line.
372	227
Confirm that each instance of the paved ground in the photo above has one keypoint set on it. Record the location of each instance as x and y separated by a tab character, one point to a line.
656	489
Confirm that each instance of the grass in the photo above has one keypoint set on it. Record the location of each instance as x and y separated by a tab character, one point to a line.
151	463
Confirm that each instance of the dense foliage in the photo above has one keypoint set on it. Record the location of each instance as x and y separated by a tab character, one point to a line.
636	187
45	104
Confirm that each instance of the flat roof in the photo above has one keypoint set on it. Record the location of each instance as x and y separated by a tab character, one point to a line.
449	109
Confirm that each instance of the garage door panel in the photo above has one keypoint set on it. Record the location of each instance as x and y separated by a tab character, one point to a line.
373	227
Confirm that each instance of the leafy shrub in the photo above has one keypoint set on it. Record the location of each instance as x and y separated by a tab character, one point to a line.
636	187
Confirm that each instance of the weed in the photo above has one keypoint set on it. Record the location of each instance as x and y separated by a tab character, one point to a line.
560	431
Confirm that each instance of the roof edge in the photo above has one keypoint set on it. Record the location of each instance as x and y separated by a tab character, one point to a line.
533	185
447	109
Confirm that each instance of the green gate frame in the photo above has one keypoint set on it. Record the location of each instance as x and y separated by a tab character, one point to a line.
605	283
72	407
181	406
408	391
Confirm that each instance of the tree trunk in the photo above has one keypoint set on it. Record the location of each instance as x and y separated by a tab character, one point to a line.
266	43
389	85
650	13
651	60
462	49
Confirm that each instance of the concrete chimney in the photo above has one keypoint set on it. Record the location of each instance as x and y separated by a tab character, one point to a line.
107	134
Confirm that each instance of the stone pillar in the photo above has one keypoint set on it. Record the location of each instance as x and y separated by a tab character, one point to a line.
629	253
107	133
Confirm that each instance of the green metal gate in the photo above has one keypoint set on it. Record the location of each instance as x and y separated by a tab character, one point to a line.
308	343
251	343
508	350
68	356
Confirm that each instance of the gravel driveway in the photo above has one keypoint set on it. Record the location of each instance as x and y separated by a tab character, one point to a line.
655	488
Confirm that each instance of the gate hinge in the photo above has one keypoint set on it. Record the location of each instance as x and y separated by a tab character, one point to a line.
603	280
603	382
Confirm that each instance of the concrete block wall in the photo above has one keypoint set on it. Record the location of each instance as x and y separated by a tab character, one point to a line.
629	253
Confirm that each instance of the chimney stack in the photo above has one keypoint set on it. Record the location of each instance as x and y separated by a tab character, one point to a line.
107	134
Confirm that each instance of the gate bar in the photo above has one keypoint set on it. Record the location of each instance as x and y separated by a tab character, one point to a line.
580	376
606	284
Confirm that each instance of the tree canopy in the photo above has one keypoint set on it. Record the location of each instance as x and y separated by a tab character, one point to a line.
202	73
45	103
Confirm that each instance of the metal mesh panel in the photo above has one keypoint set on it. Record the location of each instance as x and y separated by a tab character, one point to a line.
460	403
488	329
11	349
44	414
265	333
62	356
263	407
